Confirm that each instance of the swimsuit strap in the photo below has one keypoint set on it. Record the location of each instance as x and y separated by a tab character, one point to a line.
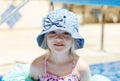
45	63
73	64
45	67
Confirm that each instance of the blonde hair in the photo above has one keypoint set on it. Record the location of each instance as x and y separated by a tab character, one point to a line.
44	42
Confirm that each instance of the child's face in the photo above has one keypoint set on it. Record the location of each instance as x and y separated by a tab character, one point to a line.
59	40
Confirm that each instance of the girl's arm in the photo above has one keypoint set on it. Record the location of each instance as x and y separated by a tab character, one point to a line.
84	70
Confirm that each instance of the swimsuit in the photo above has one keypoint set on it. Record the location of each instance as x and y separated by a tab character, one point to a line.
51	77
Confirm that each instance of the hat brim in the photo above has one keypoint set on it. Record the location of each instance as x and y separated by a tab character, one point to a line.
75	35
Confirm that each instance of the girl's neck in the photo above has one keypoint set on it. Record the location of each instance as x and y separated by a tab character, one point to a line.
60	57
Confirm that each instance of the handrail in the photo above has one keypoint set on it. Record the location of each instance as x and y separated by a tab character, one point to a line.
13	11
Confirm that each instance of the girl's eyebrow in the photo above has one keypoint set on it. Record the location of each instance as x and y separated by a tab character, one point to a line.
67	33
52	31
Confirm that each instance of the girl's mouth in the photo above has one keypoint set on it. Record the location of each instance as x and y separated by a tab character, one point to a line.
59	44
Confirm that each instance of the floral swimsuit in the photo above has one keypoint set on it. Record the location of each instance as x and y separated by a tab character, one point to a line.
50	77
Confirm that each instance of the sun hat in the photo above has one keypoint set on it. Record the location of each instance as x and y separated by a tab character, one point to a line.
61	19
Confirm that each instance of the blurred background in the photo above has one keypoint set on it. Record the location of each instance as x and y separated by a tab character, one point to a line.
21	22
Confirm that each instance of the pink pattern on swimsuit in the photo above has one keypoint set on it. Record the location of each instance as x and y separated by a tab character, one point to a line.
50	77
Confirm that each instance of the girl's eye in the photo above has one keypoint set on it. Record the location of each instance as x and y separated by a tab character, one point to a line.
66	33
55	33
52	32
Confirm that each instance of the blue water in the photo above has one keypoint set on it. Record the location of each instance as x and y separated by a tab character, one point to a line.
0	78
110	70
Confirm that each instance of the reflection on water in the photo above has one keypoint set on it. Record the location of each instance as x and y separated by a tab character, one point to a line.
110	70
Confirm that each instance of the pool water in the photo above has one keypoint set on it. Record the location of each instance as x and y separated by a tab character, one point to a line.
0	78
110	70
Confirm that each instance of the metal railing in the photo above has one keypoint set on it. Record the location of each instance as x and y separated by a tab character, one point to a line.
13	11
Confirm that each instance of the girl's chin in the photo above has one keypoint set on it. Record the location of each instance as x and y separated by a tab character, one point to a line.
60	48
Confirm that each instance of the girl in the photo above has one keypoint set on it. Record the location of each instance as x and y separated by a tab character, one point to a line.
60	37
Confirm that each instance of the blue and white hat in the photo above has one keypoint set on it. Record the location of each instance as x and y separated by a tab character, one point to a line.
64	20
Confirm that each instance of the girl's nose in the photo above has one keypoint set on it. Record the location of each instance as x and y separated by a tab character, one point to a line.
59	37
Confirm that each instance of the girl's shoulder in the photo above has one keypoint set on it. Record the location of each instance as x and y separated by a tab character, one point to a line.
81	64
37	67
38	61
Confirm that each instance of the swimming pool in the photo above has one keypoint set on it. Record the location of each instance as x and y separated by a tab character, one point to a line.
0	78
110	70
